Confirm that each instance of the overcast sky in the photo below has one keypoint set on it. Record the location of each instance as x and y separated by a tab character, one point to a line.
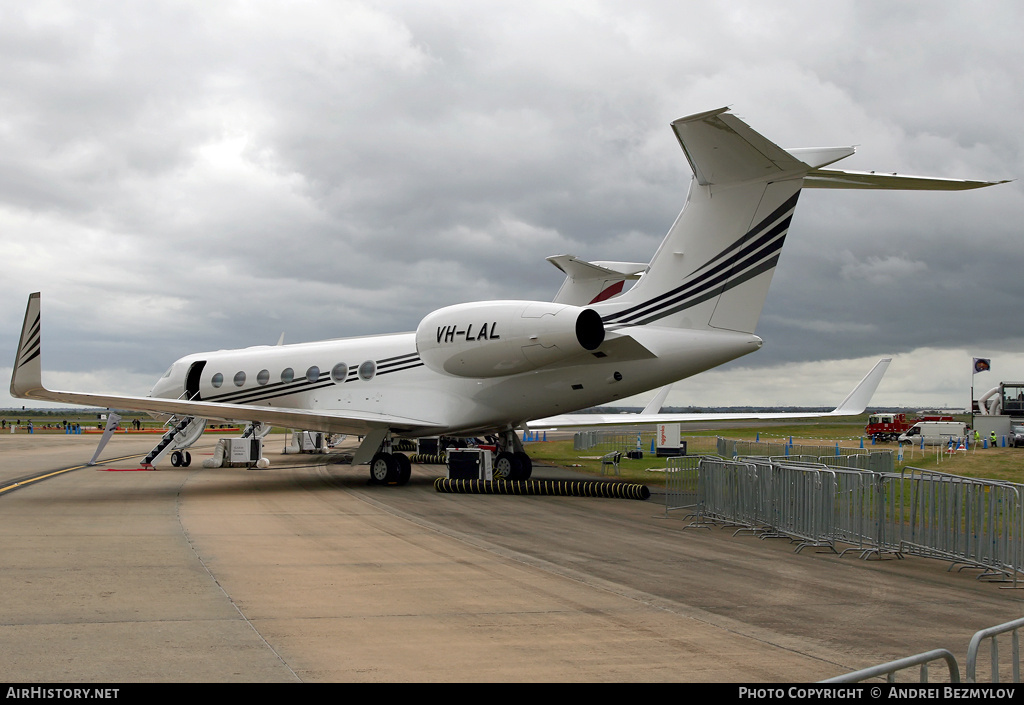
178	177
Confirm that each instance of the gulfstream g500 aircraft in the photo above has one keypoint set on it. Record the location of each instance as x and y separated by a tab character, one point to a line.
494	366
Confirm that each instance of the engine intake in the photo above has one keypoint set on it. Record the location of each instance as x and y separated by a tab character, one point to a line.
500	338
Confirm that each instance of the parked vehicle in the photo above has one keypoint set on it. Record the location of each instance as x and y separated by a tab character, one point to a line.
888	427
934	432
1016	437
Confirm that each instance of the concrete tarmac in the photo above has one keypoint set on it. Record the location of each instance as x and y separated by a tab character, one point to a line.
304	572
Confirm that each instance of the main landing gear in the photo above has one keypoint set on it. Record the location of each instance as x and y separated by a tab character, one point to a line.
512	462
512	466
388	468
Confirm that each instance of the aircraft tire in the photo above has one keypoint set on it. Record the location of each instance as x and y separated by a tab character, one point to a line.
525	466
176	459
383	469
186	459
507	467
404	468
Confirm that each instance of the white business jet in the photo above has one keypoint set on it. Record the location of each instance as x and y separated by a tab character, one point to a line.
492	367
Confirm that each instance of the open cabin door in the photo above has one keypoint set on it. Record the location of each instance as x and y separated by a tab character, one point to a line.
195	373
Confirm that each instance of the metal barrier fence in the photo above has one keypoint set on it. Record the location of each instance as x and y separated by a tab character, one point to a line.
970	522
974	522
681	483
832	455
991	633
890	669
612	440
701	445
623	441
620	440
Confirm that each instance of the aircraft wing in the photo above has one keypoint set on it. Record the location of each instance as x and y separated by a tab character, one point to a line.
854	404
26	383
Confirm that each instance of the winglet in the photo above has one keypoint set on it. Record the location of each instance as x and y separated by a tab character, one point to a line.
857	401
655	404
27	377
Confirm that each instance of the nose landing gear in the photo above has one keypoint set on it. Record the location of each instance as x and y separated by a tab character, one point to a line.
181	459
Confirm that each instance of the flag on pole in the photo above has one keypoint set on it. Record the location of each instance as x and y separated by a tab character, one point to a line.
982	364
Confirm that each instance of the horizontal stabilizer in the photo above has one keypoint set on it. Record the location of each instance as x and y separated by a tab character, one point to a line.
581	269
836	178
816	157
722	149
591	282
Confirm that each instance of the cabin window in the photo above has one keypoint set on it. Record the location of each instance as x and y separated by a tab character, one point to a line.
313	373
218	379
287	375
339	372
239	379
263	377
367	370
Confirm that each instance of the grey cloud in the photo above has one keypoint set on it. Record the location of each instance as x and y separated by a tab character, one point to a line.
199	177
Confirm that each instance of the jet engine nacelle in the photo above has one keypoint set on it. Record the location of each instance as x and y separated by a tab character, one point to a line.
499	338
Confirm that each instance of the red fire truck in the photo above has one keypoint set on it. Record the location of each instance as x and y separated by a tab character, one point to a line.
888	427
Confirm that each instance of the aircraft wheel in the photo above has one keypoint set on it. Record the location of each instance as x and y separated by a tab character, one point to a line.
404	468
186	459
176	459
507	467
383	469
525	465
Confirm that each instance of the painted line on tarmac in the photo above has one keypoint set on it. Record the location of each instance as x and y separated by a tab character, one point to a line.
32	479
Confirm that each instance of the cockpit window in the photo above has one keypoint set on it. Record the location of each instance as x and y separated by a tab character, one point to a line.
168	372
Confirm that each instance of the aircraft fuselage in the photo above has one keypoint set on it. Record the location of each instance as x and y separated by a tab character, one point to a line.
385	375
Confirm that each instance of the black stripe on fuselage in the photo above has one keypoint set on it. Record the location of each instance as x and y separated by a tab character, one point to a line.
757	250
280	389
408	366
764	266
712	281
397	359
269	391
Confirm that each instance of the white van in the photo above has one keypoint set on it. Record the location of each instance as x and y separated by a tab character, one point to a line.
934	432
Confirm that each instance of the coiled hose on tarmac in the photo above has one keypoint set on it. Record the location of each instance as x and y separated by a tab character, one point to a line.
424	459
554	488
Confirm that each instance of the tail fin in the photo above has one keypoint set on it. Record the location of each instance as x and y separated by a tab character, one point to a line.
713	269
